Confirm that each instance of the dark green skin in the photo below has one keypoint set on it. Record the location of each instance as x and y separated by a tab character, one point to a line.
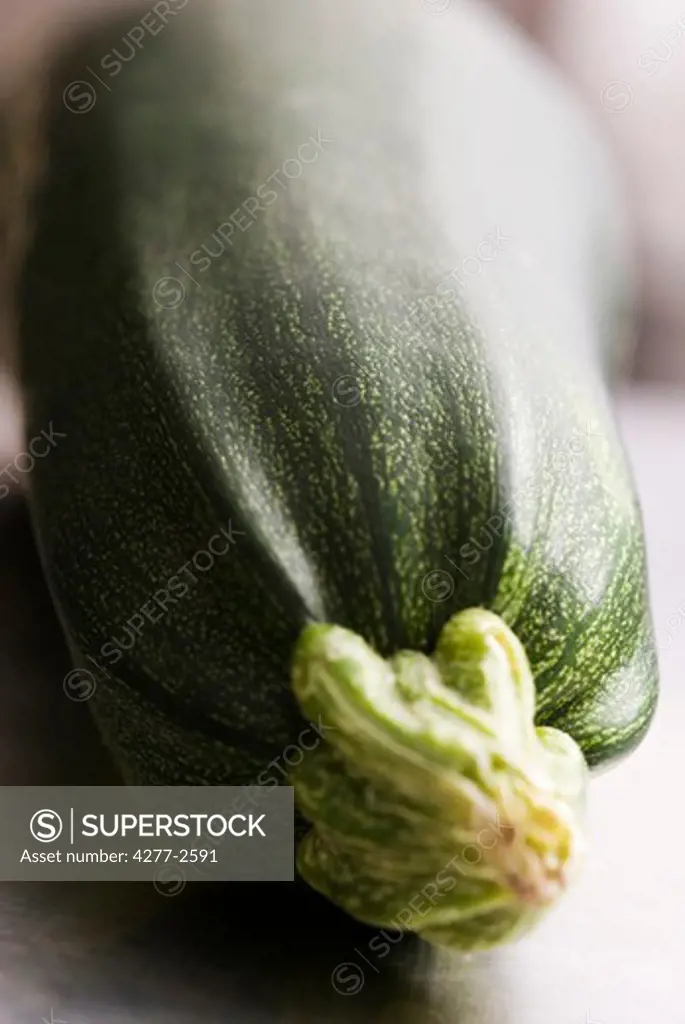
288	393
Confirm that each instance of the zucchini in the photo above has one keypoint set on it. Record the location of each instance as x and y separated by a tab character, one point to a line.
323	297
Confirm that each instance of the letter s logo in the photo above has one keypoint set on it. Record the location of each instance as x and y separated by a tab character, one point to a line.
46	826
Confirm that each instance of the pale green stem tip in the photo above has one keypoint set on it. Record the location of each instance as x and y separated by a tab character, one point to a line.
436	804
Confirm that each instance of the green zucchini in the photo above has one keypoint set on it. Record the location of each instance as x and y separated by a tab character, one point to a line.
326	293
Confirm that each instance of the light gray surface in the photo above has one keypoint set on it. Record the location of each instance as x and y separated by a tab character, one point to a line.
611	954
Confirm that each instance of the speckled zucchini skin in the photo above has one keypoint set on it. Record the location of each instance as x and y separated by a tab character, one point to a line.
383	459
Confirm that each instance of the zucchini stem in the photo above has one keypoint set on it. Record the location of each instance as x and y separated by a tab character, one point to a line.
437	806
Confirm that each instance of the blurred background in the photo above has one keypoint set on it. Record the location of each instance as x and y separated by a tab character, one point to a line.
626	60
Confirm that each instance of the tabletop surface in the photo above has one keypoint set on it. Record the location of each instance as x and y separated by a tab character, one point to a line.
276	954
